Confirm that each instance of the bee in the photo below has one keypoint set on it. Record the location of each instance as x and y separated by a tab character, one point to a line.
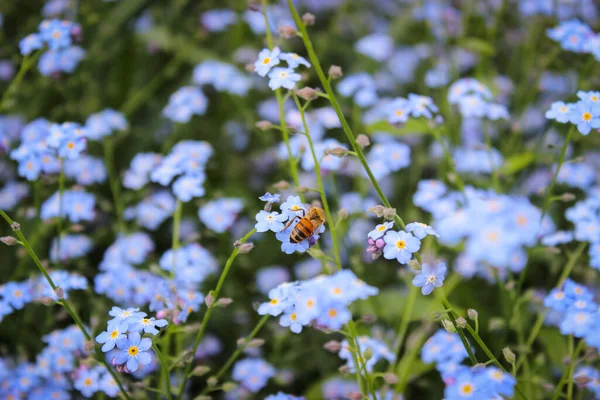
308	225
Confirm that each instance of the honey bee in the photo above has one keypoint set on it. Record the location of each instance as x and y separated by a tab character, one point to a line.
308	225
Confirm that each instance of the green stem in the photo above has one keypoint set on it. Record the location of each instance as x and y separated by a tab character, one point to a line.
26	64
458	180
99	356
239	350
460	332
403	326
164	370
483	346
359	361
488	145
115	184
332	228
410	358
561	160
215	294
568	373
61	191
176	224
540	320
338	110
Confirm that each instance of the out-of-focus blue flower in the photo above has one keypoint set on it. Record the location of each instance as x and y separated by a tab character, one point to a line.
30	43
85	170
270	277
270	198
138	173
186	187
224	77
283	396
184	103
151	212
16	294
581	175
571	35
218	20
361	86
378	46
556	238
377	347
77	206
294	60
104	123
87	381
56	33
420	230
430	277
220	214
252	373
283	77
71	246
559	111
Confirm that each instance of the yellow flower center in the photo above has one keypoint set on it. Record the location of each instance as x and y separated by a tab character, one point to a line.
56	34
381	228
274	301
266	60
133	351
522	220
492	236
87	382
399	113
293	317
145	321
467	388
332	313
587	116
114	334
310	303
563	109
401	244
337	290
70	145
17	293
559	296
594	98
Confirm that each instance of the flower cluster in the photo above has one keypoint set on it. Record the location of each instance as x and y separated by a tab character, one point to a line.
104	123
186	102
186	161
585	113
279	77
153	210
62	55
588	378
400	109
219	215
576	36
77	206
399	245
323	300
379	351
71	246
126	331
252	373
575	304
138	174
222	76
85	170
585	216
496	228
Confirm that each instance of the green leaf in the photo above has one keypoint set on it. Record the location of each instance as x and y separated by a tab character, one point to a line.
410	127
516	163
181	45
477	45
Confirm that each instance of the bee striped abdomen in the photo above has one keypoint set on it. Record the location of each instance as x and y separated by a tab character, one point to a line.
302	231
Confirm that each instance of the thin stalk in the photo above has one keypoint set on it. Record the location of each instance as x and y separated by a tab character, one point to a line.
460	332
176	224
61	191
568	373
561	160
115	185
488	145
215	294
338	110
239	350
457	179
72	313
403	326
484	347
540	320
164	370
359	361
26	64
410	358
280	103
332	227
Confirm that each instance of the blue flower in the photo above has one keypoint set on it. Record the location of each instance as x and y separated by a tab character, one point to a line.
16	294
56	33
559	111
586	116
380	230
292	321
30	43
270	198
266	60
269	221
252	373
115	331
430	277
87	381
400	245
294	60
420	230
577	323
465	386
148	325
283	77
123	317
184	103
187	187
133	351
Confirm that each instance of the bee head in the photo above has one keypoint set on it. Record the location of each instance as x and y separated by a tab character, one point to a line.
316	214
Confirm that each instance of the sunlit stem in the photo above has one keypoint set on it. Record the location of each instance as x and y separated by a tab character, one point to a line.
403	326
115	185
72	313
61	191
176	229
164	370
28	62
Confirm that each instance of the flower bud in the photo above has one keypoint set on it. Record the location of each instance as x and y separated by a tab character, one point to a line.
200	370
472	314
461	322
212	381
390	378
354	396
335	72
15	226
229	386
377	210
209	300
389	213
89	346
509	356
256	343
363	140
307	93
496	324
287	31
332	346
264	125
281	185
253	5
567	197
8	240
415	265
224	302
60	293
344	370
448	326
245	248
302	189
308	19
582	379
342	213
337	151
249	67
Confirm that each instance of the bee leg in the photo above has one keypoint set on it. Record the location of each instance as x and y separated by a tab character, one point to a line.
303	212
290	222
